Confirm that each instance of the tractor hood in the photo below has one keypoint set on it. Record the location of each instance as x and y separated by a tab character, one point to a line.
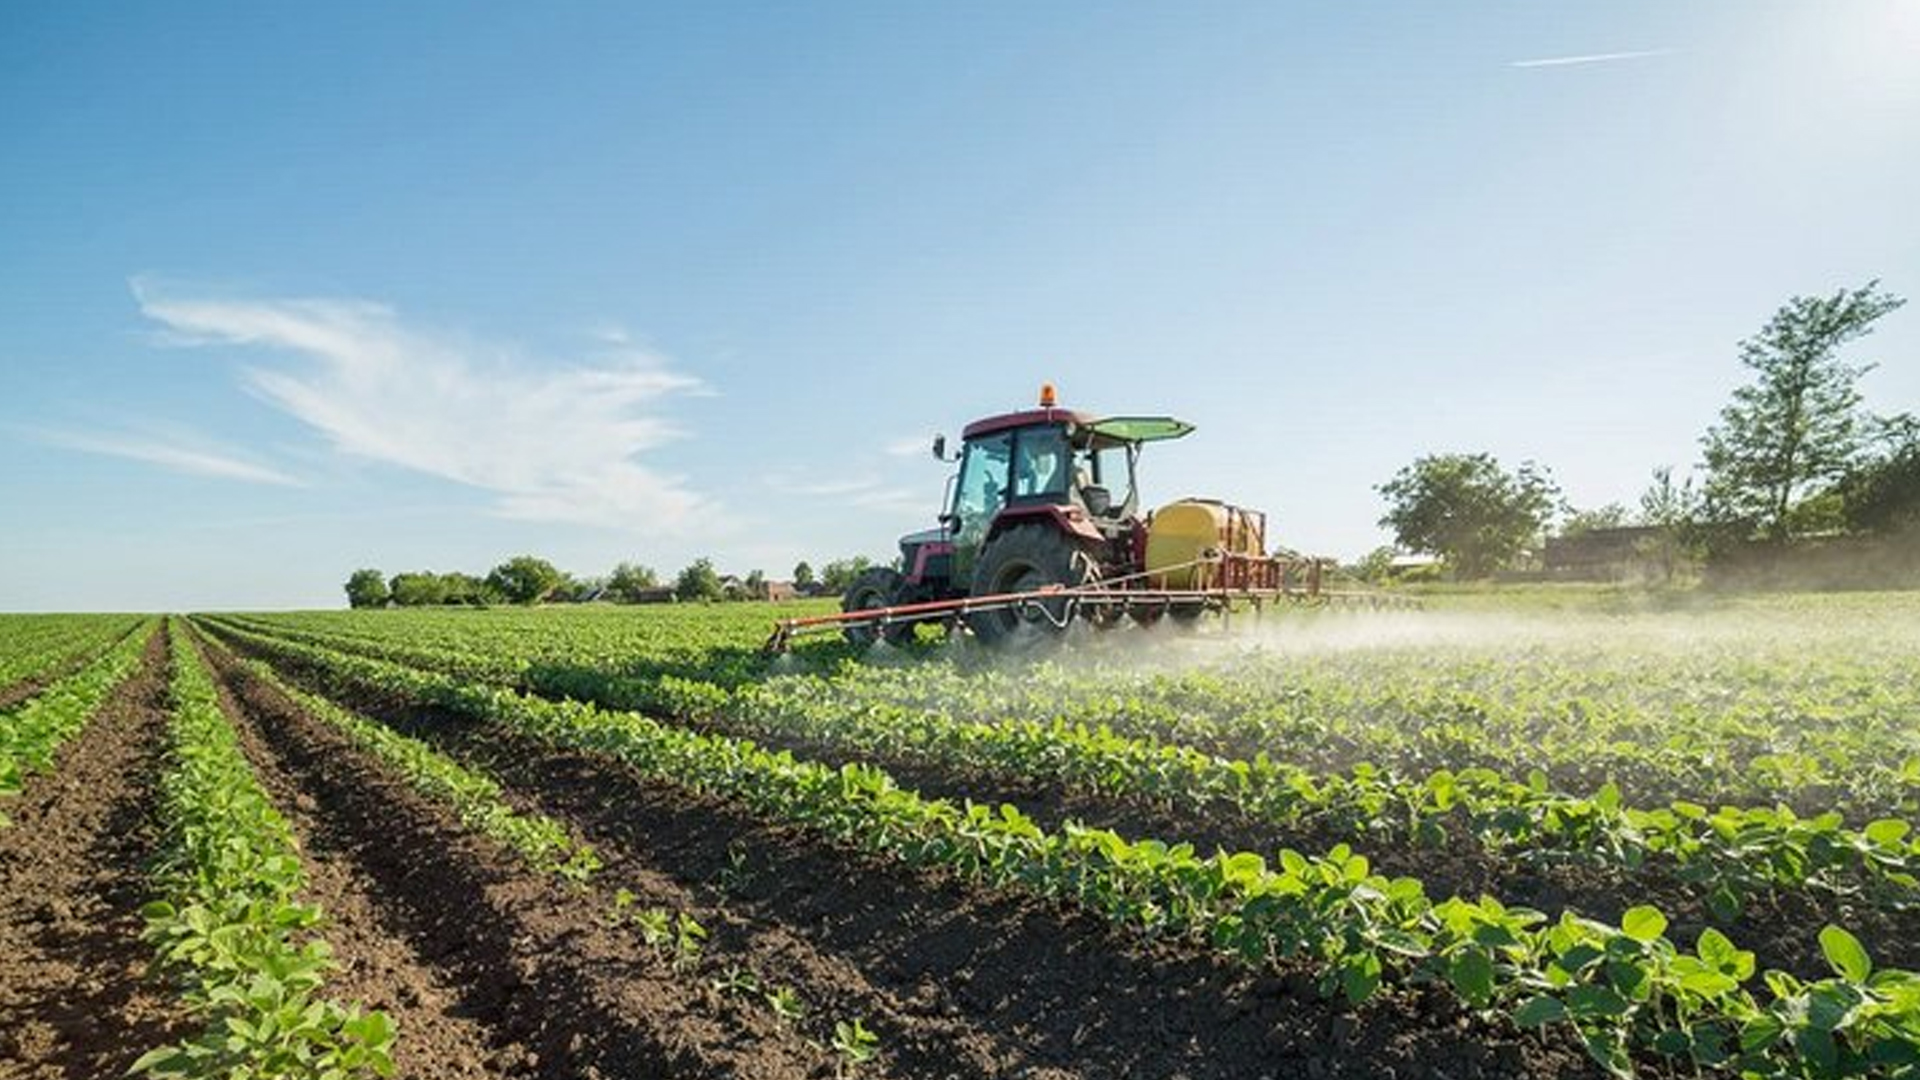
1140	429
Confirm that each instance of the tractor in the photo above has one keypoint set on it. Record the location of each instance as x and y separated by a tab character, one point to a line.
1042	527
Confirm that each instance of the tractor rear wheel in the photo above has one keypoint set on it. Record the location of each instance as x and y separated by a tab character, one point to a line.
877	587
1022	559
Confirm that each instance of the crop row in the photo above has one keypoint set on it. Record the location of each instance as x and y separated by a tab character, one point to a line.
230	924
1729	853
33	732
1626	989
1704	708
474	797
32	644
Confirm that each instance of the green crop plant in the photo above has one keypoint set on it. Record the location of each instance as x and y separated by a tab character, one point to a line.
855	1045
1622	988
230	925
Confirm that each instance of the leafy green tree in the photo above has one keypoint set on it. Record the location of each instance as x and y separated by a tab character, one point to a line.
1610	516
367	589
1882	495
1468	510
418	589
837	575
699	581
803	575
756	584
1798	426
630	580
459	588
524	579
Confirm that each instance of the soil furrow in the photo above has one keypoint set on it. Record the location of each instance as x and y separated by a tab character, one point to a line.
490	968
1079	997
74	1002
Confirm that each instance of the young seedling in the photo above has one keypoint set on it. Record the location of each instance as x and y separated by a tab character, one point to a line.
736	980
786	1005
656	927
855	1044
687	938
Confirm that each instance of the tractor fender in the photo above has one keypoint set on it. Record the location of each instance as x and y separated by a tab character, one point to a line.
1068	519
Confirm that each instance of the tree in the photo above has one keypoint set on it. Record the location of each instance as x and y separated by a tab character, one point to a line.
1882	495
459	588
524	579
629	581
418	589
366	589
837	575
699	581
1798	425
1468	510
756	584
1610	516
803	575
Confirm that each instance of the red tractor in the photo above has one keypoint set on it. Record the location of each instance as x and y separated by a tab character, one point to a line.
1043	526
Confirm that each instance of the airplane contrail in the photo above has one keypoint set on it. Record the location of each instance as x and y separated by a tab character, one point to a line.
1592	58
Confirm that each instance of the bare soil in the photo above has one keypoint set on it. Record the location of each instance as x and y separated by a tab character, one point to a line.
1049	992
73	1000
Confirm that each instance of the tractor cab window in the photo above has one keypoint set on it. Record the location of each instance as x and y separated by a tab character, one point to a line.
1109	467
982	488
1039	463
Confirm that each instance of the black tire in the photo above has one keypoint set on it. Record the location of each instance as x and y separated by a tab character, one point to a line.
877	587
1022	559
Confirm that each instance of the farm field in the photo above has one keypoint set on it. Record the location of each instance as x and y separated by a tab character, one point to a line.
1552	834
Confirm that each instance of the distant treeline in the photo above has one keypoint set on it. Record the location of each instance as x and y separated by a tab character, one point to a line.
1795	470
526	579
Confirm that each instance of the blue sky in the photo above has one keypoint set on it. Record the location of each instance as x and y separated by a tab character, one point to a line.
290	290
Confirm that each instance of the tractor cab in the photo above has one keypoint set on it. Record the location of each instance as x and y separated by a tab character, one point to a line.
1039	494
1051	466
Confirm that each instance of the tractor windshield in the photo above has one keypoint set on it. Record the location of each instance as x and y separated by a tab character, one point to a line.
982	488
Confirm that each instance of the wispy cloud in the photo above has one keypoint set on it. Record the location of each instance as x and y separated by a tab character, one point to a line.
1590	58
177	451
551	442
908	446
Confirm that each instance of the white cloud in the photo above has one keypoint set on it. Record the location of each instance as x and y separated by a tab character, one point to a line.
1590	58
910	446
552	444
177	451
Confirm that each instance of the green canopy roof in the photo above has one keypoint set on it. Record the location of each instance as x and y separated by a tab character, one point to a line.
1141	428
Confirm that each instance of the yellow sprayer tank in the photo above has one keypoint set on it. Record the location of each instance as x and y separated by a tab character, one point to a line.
1192	529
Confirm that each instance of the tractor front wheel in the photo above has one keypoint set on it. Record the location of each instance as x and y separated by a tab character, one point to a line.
877	587
1023	559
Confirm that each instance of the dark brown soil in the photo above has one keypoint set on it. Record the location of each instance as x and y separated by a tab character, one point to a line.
490	968
73	1002
1782	929
32	685
1067	994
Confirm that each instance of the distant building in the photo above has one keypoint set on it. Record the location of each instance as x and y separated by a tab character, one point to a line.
781	590
1597	554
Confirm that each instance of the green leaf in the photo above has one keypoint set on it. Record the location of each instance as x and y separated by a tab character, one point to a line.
1472	975
1846	954
1887	831
1360	977
1538	1011
1643	923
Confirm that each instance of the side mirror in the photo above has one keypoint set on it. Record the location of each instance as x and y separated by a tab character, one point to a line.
940	448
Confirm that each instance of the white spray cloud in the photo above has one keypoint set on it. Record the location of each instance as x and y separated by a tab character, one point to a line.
552	445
